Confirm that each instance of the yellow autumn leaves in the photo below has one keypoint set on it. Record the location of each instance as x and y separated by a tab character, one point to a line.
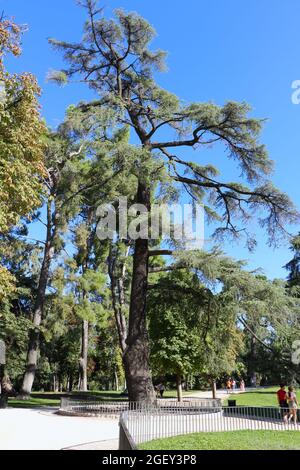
21	136
21	143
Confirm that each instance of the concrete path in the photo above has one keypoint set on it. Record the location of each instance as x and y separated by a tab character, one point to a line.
221	393
42	429
112	444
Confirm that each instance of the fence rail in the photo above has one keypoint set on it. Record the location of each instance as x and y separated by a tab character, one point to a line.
143	425
143	422
98	407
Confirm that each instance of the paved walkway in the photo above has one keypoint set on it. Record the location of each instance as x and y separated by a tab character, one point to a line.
112	444
42	429
221	393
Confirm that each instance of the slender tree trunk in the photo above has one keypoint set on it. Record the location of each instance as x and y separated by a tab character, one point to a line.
71	382
214	388
136	358
83	361
84	356
118	298
34	335
179	387
55	384
60	386
252	359
116	381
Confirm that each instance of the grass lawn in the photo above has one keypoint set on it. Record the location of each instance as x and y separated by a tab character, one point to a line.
40	399
236	440
33	402
259	397
173	393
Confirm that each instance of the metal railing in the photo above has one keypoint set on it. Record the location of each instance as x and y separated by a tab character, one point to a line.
98	407
93	407
148	423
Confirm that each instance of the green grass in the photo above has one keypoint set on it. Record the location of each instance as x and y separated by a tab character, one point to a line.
33	402
110	395
236	440
173	393
42	399
259	397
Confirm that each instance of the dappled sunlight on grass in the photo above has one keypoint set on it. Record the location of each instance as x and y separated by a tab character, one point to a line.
236	440
257	397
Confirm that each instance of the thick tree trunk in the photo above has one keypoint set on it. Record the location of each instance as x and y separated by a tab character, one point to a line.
32	354
84	357
179	387
136	358
1	378
6	384
34	335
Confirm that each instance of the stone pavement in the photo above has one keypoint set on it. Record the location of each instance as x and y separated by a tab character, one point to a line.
40	429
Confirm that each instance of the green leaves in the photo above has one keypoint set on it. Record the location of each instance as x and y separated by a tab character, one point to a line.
7	284
195	312
293	266
57	76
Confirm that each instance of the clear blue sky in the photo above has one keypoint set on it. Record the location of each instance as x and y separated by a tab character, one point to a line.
218	51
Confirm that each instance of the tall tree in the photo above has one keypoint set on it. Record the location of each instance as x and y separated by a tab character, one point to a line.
89	287
175	326
61	161
21	134
115	60
19	257
21	139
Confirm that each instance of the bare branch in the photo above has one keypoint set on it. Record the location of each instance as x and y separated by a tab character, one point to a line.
160	253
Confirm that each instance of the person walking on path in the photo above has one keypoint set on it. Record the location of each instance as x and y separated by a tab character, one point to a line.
161	389
228	386
242	385
293	404
282	401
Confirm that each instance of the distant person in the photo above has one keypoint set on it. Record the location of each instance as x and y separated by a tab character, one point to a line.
242	385
282	401
161	390
292	404
233	384
228	385
253	381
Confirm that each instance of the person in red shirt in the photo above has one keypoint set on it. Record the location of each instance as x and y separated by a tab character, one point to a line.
282	401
